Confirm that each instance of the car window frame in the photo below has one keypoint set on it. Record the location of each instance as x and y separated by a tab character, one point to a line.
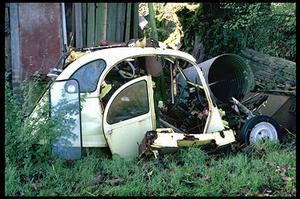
147	100
105	65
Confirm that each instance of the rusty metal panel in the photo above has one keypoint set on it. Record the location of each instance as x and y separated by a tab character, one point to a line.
274	103
278	107
40	36
285	117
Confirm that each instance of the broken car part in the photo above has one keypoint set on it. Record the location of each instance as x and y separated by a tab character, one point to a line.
166	140
242	107
116	112
54	73
65	113
227	76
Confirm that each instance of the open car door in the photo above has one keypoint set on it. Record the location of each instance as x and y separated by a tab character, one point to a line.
129	114
65	115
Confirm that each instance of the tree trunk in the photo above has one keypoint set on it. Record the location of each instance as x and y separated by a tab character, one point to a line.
198	51
271	73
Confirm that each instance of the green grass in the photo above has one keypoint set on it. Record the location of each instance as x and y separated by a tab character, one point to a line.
266	169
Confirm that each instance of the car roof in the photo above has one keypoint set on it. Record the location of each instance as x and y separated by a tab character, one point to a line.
114	55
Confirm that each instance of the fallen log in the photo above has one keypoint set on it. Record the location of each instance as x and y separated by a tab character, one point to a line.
272	73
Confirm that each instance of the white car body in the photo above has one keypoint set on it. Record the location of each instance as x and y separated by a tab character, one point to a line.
125	136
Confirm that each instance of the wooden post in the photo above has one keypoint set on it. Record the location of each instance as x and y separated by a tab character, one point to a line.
100	28
72	43
160	80
64	27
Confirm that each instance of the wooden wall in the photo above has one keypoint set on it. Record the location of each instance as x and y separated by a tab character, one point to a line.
93	22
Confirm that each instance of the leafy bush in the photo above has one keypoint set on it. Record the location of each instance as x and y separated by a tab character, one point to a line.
22	151
228	27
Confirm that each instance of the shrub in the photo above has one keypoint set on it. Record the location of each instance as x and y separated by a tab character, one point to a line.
228	27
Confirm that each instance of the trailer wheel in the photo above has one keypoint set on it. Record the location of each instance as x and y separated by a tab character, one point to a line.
260	127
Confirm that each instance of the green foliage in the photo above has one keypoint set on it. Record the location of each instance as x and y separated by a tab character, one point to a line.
164	27
229	27
32	91
167	25
23	153
189	19
12	180
21	147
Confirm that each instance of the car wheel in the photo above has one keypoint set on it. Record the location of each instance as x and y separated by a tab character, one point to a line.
260	127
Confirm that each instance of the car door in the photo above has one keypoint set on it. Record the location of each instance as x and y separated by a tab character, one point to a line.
65	115
129	114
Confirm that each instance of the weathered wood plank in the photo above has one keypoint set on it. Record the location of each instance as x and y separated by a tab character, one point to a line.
7	42
15	44
120	22
111	21
84	24
64	27
123	21
78	25
128	21
105	21
135	27
73	23
100	22
90	24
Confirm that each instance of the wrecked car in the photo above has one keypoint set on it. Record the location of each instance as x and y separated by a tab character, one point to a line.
138	100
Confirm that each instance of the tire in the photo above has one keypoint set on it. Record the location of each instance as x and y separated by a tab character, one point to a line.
260	127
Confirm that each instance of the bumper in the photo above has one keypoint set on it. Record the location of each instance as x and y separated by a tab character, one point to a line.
166	140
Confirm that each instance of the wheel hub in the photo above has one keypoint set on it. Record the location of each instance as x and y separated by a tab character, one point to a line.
263	131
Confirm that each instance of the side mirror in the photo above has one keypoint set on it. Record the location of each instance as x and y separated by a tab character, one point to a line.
54	73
